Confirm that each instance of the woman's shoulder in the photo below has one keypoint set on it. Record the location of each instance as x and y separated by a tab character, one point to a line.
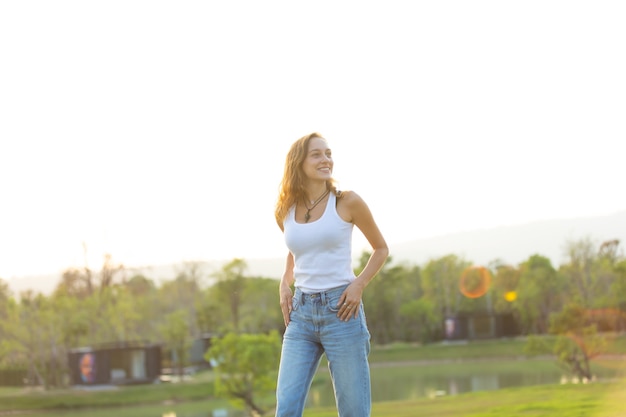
351	206
349	197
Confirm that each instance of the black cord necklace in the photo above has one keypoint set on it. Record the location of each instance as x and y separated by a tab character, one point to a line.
307	215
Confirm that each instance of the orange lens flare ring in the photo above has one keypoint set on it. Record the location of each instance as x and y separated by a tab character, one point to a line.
475	281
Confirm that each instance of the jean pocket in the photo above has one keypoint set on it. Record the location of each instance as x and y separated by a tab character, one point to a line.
332	304
295	303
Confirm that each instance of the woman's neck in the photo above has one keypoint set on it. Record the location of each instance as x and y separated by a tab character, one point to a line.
315	191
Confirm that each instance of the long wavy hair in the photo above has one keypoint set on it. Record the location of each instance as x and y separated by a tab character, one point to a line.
291	189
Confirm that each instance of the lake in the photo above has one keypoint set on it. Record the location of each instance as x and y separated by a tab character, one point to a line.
396	382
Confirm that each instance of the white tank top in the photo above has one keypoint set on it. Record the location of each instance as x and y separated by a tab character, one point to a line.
322	249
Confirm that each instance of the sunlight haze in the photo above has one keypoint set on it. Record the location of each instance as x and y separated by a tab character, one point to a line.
157	131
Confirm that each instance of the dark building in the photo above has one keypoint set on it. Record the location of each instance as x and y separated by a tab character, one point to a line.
480	326
120	363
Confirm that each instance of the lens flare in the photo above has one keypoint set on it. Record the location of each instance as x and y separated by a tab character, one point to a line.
510	296
475	281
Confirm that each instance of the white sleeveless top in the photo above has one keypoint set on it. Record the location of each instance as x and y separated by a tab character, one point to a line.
322	249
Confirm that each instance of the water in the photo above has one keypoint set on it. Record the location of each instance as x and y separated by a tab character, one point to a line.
413	382
394	382
390	383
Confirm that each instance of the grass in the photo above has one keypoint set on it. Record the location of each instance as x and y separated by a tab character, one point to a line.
77	399
596	400
593	400
485	349
399	352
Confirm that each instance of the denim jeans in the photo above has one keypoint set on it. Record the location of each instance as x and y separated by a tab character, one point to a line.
314	329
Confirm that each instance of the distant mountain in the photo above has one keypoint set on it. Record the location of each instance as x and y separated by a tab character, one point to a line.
511	244
514	244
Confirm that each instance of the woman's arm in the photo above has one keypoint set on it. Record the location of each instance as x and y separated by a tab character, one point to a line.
357	211
286	295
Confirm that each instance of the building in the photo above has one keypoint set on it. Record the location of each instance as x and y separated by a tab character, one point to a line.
480	326
116	363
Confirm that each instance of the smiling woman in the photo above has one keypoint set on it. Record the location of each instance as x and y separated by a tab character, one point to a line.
325	314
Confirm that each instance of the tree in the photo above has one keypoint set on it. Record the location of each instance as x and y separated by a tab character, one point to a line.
120	309
140	285
539	294
230	287
619	289
580	270
33	328
5	297
577	341
610	250
79	282
245	366
7	307
109	271
175	331
183	292
421	313
440	278
260	312
143	295
74	283
504	288
384	299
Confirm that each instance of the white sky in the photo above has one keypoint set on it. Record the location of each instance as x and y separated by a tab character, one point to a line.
157	130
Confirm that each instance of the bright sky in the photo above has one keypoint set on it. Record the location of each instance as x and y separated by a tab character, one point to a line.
157	130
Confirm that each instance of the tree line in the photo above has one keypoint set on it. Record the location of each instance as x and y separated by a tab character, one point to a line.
404	303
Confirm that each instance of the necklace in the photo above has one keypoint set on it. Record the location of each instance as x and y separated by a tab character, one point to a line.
307	215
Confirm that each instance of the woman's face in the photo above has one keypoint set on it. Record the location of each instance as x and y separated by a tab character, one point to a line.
318	163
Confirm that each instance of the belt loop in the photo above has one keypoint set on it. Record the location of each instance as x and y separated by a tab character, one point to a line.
323	297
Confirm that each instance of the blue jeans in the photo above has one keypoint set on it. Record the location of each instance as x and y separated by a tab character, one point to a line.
314	329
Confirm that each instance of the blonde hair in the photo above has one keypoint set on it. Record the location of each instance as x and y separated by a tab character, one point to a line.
291	188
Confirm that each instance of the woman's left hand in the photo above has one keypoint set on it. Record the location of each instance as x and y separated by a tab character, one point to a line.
349	302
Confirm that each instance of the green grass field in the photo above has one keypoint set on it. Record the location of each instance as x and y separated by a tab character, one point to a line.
606	399
592	400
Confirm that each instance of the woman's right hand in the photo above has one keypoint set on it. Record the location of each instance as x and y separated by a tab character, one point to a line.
286	301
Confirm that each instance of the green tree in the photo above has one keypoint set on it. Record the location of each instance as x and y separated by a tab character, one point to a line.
381	304
246	365
71	323
8	307
5	298
35	331
183	292
539	294
76	283
504	288
140	286
122	316
421	315
440	278
230	288
619	289
143	294
580	271
175	333
610	300
577	341
260	310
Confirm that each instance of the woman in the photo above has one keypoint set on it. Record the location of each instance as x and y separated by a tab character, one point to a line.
325	315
